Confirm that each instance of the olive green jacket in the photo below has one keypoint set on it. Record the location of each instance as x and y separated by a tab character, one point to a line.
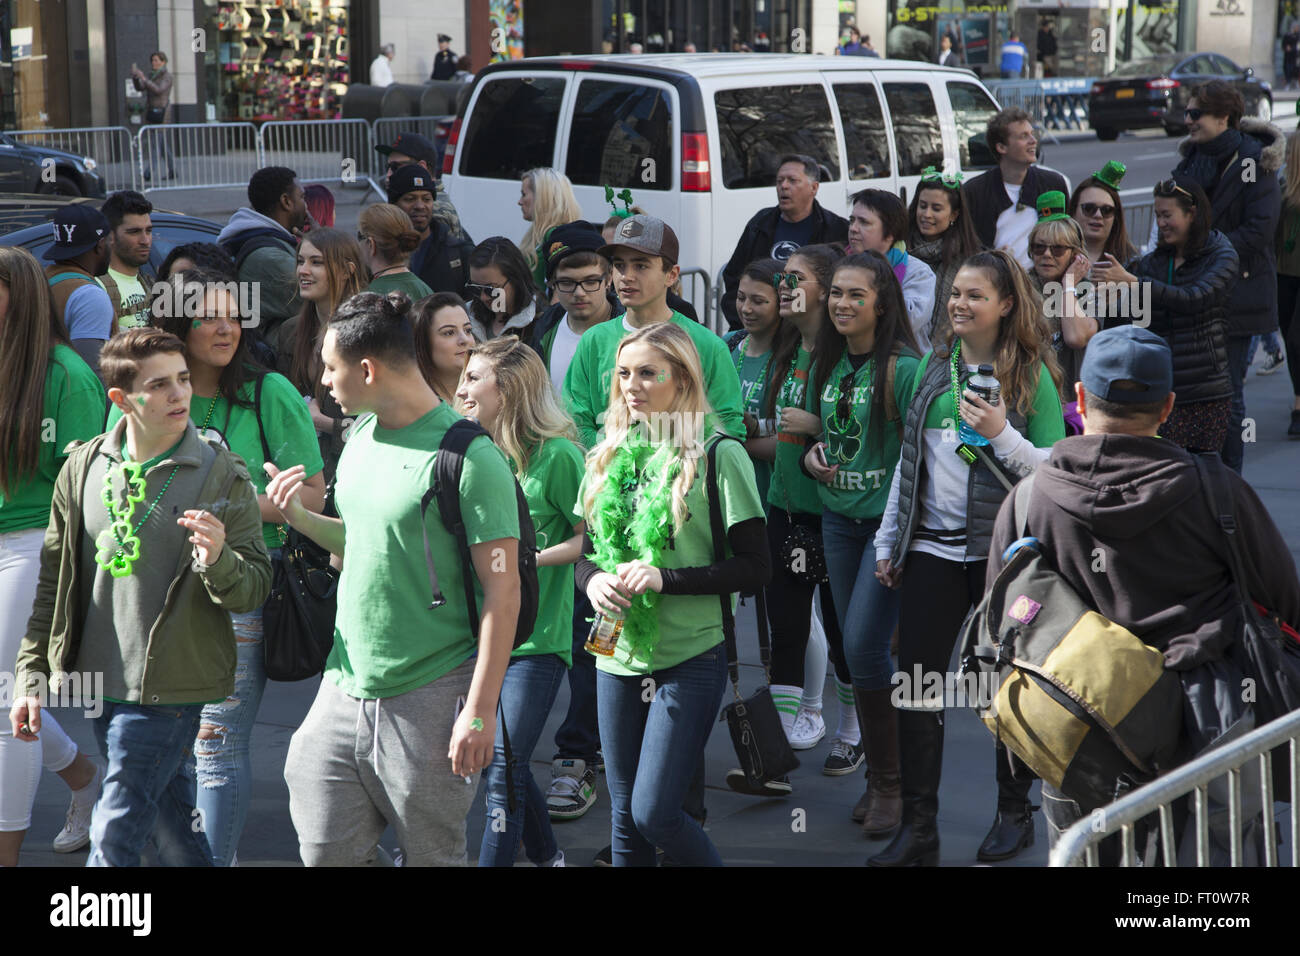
191	646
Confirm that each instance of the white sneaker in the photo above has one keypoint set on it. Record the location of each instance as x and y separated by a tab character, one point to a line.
809	728
557	861
75	834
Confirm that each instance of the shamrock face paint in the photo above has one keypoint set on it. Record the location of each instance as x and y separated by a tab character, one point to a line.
663	377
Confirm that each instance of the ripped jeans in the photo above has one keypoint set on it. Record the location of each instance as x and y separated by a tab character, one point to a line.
222	754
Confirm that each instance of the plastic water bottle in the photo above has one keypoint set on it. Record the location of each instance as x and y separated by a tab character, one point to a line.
983	384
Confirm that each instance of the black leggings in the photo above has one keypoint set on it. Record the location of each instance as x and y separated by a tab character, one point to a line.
937	594
789	608
1288	298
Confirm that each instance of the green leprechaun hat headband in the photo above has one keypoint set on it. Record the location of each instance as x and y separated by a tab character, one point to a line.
625	195
1051	206
1112	174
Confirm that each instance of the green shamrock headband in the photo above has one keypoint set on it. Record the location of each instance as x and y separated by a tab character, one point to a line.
947	180
625	195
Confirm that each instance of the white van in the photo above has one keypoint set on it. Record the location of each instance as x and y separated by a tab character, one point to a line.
697	138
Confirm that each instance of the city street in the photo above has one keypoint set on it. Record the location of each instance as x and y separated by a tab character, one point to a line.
811	827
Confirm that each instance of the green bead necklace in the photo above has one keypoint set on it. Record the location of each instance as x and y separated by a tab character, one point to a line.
119	546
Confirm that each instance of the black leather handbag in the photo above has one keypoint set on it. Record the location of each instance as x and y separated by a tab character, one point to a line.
298	617
755	726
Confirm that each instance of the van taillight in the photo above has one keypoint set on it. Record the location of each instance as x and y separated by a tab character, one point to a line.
695	163
449	156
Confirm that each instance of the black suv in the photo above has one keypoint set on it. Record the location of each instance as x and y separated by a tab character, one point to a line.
21	165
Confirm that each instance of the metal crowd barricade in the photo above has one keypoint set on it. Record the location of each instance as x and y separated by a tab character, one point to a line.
1065	102
1079	843
691	288
319	150
1139	218
432	128
111	147
202	155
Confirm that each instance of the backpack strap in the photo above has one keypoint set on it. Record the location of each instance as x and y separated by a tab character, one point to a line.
1219	499
892	413
114	293
1020	503
55	280
719	530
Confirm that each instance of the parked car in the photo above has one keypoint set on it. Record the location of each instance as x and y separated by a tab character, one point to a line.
23	165
25	222
698	137
1154	92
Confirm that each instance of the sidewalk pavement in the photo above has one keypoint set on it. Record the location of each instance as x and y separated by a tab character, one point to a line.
811	827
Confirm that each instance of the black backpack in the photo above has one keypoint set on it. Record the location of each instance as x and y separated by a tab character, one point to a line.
446	489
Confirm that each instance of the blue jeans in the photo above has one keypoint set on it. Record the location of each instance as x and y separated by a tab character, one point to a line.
868	611
652	751
223	761
1238	362
147	793
577	738
527	694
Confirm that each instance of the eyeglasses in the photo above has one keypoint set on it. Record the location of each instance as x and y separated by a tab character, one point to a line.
1091	209
948	180
787	279
1193	114
1166	189
483	288
1038	248
591	284
394	166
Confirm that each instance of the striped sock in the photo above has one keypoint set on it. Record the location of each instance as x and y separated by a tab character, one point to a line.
786	697
848	731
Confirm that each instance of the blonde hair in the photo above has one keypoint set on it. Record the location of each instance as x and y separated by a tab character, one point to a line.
1058	232
1291	187
390	227
553	205
530	413
689	408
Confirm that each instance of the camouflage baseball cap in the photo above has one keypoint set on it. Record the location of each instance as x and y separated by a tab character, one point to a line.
645	234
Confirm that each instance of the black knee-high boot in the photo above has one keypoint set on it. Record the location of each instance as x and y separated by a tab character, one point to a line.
920	737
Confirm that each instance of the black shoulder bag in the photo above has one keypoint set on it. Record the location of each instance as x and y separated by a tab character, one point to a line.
755	726
298	616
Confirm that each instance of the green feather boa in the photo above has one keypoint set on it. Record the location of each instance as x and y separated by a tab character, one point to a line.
632	520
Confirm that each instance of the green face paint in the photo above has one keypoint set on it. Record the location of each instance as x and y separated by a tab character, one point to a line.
140	401
197	322
663	377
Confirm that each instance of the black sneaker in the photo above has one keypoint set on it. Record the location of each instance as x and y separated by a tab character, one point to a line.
780	787
844	758
1294	430
604	858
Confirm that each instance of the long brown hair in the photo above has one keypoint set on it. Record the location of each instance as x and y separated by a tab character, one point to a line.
31	329
1023	341
345	277
959	239
1118	243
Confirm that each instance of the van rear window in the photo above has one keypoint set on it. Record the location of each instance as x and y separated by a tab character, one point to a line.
758	125
971	111
916	127
512	127
622	135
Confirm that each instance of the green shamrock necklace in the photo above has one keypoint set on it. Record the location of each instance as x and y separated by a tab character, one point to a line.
119	546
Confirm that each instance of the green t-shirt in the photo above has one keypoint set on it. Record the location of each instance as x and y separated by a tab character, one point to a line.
386	639
135	299
587	383
690	624
408	282
861	487
72	410
791	489
551	487
752	371
289	433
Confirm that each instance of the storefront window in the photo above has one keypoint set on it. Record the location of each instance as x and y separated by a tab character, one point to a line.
33	76
279	62
915	27
1154	31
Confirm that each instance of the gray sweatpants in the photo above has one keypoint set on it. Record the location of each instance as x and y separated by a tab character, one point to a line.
355	766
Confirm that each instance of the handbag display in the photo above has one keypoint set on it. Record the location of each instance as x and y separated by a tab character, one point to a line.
298	617
755	726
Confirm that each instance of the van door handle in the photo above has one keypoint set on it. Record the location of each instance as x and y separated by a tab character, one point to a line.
902	194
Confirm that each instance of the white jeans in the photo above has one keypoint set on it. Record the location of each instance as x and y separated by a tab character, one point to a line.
20	761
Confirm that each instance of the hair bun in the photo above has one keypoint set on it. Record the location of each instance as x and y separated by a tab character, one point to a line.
396	304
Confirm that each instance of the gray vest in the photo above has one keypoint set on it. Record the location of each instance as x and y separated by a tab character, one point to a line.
984	493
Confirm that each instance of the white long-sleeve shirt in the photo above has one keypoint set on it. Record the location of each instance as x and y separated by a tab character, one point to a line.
381	74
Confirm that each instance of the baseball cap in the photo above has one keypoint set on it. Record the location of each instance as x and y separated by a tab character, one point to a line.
563	241
1128	353
443	38
645	234
413	145
410	179
77	229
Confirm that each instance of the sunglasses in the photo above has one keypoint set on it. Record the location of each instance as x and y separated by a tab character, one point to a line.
789	279
1091	209
1038	248
1166	189
592	284
1193	114
843	408
482	288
